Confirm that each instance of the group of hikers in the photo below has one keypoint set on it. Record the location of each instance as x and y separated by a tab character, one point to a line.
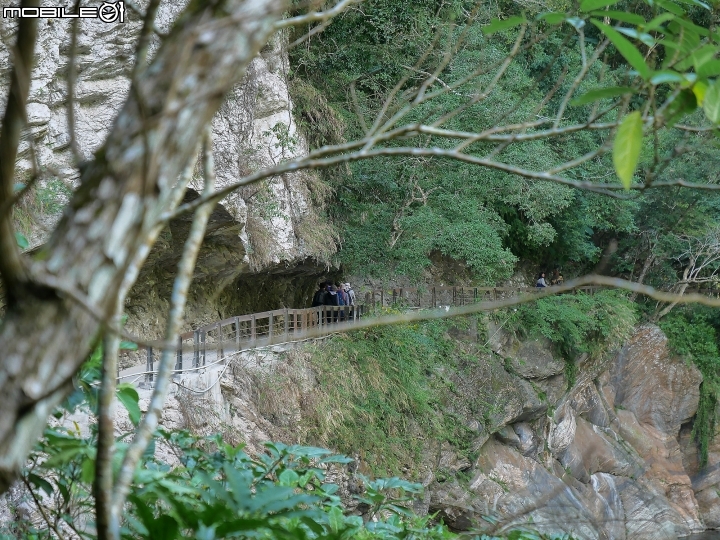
556	279
334	294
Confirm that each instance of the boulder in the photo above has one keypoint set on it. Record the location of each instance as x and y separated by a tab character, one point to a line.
527	441
534	360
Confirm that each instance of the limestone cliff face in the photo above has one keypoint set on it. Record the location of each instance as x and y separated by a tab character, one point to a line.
269	226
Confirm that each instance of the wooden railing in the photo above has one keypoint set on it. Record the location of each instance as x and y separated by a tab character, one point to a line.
212	342
433	297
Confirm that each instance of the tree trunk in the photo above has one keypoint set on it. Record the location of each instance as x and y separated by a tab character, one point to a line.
47	335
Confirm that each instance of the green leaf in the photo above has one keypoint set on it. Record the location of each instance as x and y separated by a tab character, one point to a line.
591	5
709	69
703	55
498	25
313	525
336	519
711	104
22	242
128	346
700	89
64	457
601	93
627	146
671	7
684	103
627	49
128	396
289	478
40	483
644	37
623	16
87	472
666	76
696	3
658	21
552	17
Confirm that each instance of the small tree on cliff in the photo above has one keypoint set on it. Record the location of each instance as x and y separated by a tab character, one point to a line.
61	300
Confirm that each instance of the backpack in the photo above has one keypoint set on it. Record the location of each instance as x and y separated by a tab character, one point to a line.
331	299
341	297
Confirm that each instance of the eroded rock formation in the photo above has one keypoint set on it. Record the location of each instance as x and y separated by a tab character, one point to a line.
610	458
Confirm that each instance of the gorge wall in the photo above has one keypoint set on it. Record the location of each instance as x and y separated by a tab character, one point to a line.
612	457
276	226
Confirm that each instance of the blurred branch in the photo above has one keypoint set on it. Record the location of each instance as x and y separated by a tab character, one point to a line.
316	16
134	7
12	267
186	267
71	80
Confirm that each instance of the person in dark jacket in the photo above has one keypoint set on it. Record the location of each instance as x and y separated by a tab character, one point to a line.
319	297
331	299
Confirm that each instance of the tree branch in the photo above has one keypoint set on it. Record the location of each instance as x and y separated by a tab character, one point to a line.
12	268
71	79
186	267
103	486
316	16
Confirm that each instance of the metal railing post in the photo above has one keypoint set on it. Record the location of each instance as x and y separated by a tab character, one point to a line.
253	329
203	349
287	325
237	333
196	348
179	360
149	365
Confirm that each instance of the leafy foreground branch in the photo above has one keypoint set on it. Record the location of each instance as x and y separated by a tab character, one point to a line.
188	486
217	491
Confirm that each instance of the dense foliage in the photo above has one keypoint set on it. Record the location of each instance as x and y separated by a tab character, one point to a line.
395	214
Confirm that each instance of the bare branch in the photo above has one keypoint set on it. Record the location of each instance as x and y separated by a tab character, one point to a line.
71	80
39	506
316	16
178	300
12	268
580	76
144	39
103	486
133	6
